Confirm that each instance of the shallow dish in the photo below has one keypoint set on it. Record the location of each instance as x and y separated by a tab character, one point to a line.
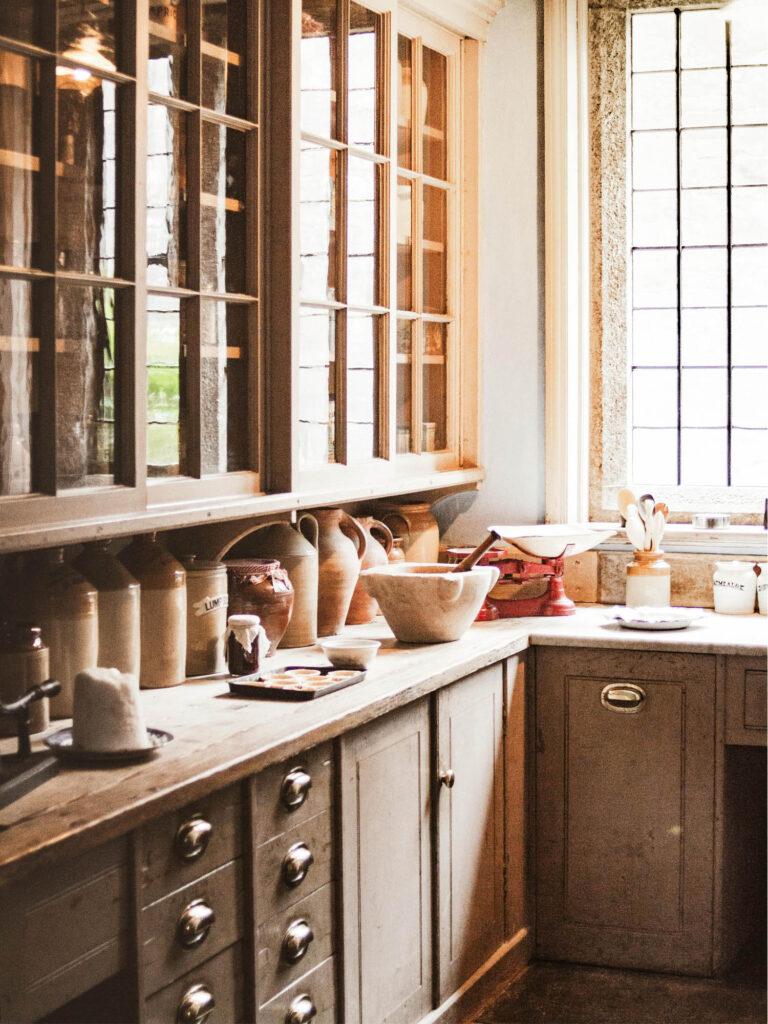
61	744
551	540
348	652
654	618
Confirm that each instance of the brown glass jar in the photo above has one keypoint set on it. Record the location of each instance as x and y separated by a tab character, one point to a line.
23	664
259	586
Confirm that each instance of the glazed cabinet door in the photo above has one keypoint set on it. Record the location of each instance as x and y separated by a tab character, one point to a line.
470	810
625	784
385	869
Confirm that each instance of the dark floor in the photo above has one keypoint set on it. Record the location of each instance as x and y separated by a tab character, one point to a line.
556	993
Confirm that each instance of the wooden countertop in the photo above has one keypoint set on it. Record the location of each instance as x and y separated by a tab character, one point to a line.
219	739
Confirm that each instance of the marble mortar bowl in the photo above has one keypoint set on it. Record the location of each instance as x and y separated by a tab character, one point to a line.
426	603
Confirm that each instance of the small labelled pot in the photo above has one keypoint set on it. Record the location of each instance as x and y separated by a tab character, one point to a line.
378	544
259	586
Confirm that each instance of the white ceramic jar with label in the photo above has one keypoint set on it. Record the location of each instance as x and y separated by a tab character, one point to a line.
735	586
207	600
762	588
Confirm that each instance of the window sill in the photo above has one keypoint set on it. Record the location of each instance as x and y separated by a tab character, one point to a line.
682	538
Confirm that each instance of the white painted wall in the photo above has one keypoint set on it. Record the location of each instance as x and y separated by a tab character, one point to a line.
511	296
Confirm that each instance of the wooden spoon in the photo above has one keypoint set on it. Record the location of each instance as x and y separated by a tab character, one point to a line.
635	528
626	498
661	507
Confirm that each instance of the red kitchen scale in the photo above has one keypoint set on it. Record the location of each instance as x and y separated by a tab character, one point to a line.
530	554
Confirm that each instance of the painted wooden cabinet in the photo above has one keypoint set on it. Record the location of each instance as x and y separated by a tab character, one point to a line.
625	808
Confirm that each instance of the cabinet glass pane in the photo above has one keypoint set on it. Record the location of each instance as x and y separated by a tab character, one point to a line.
317	385
404	101
362	419
166	339
87	32
19	160
223	56
23	20
362	72
224	386
404	243
434	245
166	196
86	341
19	347
361	232
317	221
435	98
433	436
86	180
222	210
404	442
318	67
167	70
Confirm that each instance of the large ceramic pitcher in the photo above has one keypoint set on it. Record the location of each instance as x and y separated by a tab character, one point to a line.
378	538
295	547
341	549
416	525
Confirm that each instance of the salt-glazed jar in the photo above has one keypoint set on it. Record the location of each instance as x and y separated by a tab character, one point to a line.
416	525
378	544
119	607
163	611
66	609
207	601
648	580
735	586
762	588
23	664
260	586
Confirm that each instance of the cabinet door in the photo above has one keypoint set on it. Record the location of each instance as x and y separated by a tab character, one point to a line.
624	809
470	760
385	811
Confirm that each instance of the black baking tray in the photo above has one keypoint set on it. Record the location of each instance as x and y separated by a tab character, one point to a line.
258	686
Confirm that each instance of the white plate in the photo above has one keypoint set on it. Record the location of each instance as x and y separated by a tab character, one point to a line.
654	618
550	540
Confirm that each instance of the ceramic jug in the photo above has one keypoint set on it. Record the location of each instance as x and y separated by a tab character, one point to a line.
119	607
416	525
295	547
378	545
163	611
341	549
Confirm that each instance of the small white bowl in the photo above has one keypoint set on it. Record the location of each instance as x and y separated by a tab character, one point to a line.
350	652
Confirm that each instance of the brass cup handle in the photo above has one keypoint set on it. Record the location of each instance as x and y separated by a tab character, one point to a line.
296	941
626	698
196	1005
447	778
301	1010
192	838
194	924
295	788
296	864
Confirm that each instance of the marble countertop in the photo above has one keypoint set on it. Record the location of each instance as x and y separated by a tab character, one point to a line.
219	739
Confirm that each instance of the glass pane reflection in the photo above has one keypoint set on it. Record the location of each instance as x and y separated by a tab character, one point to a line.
222	210
224	386
317	225
361	77
223	56
19	346
362	332
87	32
166	196
317	386
19	160
361	232
434	245
433	434
404	101
404	442
166	338
166	73
318	63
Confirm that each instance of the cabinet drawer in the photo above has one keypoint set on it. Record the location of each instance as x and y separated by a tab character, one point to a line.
273	815
62	931
273	892
745	714
185	844
274	972
165	957
318	985
222	976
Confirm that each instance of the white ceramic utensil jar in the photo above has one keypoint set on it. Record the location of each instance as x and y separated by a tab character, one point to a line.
735	585
762	588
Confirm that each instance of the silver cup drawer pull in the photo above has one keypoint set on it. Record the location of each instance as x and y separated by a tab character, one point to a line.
295	788
192	838
296	942
301	1010
625	698
296	864
194	923
196	1005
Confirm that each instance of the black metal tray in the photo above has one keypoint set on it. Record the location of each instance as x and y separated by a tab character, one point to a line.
268	685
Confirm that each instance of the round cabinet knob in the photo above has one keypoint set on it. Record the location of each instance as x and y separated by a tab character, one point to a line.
296	864
301	1010
296	942
295	788
196	1005
447	778
192	838
194	924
